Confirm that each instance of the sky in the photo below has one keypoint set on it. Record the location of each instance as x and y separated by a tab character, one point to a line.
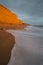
30	11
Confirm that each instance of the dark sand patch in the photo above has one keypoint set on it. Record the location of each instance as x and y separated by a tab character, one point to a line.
6	43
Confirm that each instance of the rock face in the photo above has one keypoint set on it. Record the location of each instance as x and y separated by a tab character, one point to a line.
6	44
6	16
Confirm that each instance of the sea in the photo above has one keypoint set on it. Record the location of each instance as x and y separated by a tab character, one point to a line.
28	49
35	29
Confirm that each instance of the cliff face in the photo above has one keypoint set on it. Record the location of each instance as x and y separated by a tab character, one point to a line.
6	16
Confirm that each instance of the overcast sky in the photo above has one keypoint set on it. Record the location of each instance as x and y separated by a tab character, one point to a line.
31	11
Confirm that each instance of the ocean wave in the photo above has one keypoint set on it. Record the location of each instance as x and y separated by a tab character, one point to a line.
34	29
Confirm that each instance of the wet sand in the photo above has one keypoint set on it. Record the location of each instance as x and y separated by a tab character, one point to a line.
7	41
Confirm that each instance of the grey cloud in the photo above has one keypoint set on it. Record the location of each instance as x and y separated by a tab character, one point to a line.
32	8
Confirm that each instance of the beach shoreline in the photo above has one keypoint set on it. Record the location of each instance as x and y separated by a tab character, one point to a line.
28	49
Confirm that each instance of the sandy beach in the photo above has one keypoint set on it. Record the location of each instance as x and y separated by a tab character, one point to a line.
7	42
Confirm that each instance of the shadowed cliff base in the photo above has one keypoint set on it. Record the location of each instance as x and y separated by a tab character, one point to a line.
6	44
15	27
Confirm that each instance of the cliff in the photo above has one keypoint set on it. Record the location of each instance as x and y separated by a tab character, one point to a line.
6	16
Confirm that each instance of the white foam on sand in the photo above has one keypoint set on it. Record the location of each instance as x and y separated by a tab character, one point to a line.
28	49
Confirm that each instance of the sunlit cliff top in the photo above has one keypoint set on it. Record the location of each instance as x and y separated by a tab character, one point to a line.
6	16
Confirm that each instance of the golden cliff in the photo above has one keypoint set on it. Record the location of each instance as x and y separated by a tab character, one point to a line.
6	16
